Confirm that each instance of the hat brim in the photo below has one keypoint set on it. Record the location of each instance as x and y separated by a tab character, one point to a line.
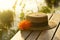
51	24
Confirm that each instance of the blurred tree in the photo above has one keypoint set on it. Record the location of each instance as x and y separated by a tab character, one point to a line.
6	18
51	3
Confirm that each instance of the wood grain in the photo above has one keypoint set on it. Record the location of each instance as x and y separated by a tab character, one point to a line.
57	35
21	35
47	35
56	18
32	35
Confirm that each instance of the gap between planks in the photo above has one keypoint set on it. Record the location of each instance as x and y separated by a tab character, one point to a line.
23	35
35	34
57	35
48	34
55	31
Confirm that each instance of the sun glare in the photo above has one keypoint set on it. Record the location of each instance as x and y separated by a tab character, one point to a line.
29	5
6	4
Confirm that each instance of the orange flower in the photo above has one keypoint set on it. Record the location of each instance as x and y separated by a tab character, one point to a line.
25	24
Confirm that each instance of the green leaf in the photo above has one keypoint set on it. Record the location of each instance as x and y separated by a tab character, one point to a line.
22	15
45	9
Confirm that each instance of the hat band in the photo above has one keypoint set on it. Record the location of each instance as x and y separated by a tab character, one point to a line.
34	24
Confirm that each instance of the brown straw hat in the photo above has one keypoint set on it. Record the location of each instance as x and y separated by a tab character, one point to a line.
49	24
38	22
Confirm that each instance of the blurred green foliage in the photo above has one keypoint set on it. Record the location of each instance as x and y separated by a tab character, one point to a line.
51	3
6	18
22	15
45	9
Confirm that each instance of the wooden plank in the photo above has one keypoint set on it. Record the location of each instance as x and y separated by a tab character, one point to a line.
26	34
57	35
21	35
47	35
56	18
36	33
33	35
49	16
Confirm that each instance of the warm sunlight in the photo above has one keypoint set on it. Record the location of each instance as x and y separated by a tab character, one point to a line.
6	4
18	17
29	5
